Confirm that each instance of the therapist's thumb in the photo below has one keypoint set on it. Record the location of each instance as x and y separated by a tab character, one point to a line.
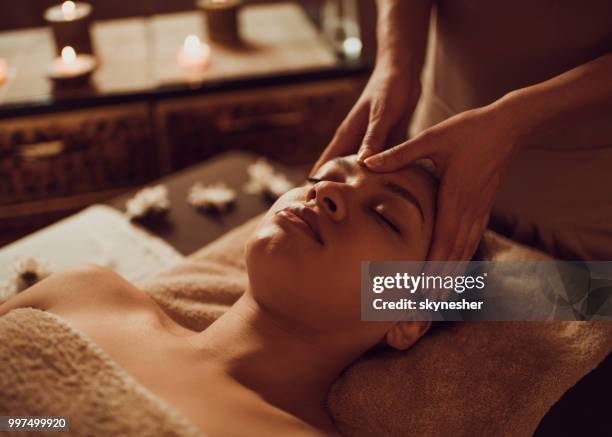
379	126
396	157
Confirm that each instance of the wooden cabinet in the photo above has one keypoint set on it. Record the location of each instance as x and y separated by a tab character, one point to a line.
52	165
290	124
72	153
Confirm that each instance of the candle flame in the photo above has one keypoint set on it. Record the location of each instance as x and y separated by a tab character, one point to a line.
192	46
69	10
194	53
68	55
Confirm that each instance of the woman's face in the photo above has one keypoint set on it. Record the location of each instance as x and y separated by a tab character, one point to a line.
304	258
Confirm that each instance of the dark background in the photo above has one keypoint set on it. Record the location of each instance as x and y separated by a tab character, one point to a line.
16	14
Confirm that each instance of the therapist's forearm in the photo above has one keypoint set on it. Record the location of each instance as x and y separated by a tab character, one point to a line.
571	98
402	29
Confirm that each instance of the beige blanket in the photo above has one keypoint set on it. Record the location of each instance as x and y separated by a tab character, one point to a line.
467	379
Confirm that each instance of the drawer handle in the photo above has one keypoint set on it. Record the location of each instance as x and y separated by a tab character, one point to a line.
44	150
269	121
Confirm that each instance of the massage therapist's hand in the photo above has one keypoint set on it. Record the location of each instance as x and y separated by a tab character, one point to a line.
471	152
379	117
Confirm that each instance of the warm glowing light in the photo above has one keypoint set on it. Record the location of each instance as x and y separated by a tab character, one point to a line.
70	65
192	46
194	53
352	47
69	10
68	55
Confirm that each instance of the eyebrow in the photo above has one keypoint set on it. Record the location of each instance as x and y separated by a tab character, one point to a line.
390	186
404	194
345	164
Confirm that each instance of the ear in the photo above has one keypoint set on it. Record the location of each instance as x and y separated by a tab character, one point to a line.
402	335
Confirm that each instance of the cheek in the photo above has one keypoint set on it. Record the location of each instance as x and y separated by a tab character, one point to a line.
377	246
417	247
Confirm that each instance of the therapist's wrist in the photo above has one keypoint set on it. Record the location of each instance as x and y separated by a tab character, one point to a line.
515	118
398	66
396	59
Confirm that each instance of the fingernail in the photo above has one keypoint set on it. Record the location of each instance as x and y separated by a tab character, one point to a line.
374	161
363	154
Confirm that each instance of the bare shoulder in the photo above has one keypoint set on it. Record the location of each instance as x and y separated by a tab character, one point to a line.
88	284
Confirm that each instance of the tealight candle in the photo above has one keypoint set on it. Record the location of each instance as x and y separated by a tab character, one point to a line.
71	66
221	20
69	10
194	54
70	22
4	71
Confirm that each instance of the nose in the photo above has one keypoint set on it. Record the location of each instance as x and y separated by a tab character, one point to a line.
330	198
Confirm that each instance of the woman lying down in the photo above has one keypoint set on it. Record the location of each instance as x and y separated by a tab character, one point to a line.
265	366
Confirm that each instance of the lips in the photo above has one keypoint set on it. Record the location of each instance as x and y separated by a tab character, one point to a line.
305	218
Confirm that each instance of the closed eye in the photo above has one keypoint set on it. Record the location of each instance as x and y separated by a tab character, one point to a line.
385	220
380	216
313	181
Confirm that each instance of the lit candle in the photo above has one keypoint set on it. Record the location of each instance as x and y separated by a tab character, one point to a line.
221	20
70	22
70	65
194	53
4	71
69	10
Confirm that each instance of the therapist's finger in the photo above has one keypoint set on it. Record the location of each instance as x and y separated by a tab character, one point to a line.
443	240
447	228
348	136
451	264
379	127
474	237
399	132
401	155
461	235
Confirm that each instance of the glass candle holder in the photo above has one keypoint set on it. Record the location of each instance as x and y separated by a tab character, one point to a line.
221	20
71	67
70	22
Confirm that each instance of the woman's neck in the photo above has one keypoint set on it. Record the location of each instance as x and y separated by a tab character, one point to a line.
291	370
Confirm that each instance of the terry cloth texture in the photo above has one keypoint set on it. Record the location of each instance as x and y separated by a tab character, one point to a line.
464	379
48	368
491	378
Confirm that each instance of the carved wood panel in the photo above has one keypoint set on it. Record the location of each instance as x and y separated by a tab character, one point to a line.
72	153
290	124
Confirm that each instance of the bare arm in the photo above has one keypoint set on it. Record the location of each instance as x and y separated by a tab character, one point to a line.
473	149
401	33
383	110
565	101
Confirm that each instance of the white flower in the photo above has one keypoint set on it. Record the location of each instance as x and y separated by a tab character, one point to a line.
217	197
277	186
265	181
148	201
29	271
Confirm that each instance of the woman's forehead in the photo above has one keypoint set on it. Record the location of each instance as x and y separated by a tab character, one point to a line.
412	173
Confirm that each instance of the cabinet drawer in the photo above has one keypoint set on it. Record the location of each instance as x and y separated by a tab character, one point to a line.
287	123
75	152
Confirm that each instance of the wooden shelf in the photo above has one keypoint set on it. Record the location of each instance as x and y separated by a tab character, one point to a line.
137	56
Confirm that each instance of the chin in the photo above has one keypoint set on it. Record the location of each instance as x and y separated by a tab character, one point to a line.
271	251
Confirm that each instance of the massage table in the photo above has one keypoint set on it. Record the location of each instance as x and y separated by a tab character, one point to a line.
581	410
